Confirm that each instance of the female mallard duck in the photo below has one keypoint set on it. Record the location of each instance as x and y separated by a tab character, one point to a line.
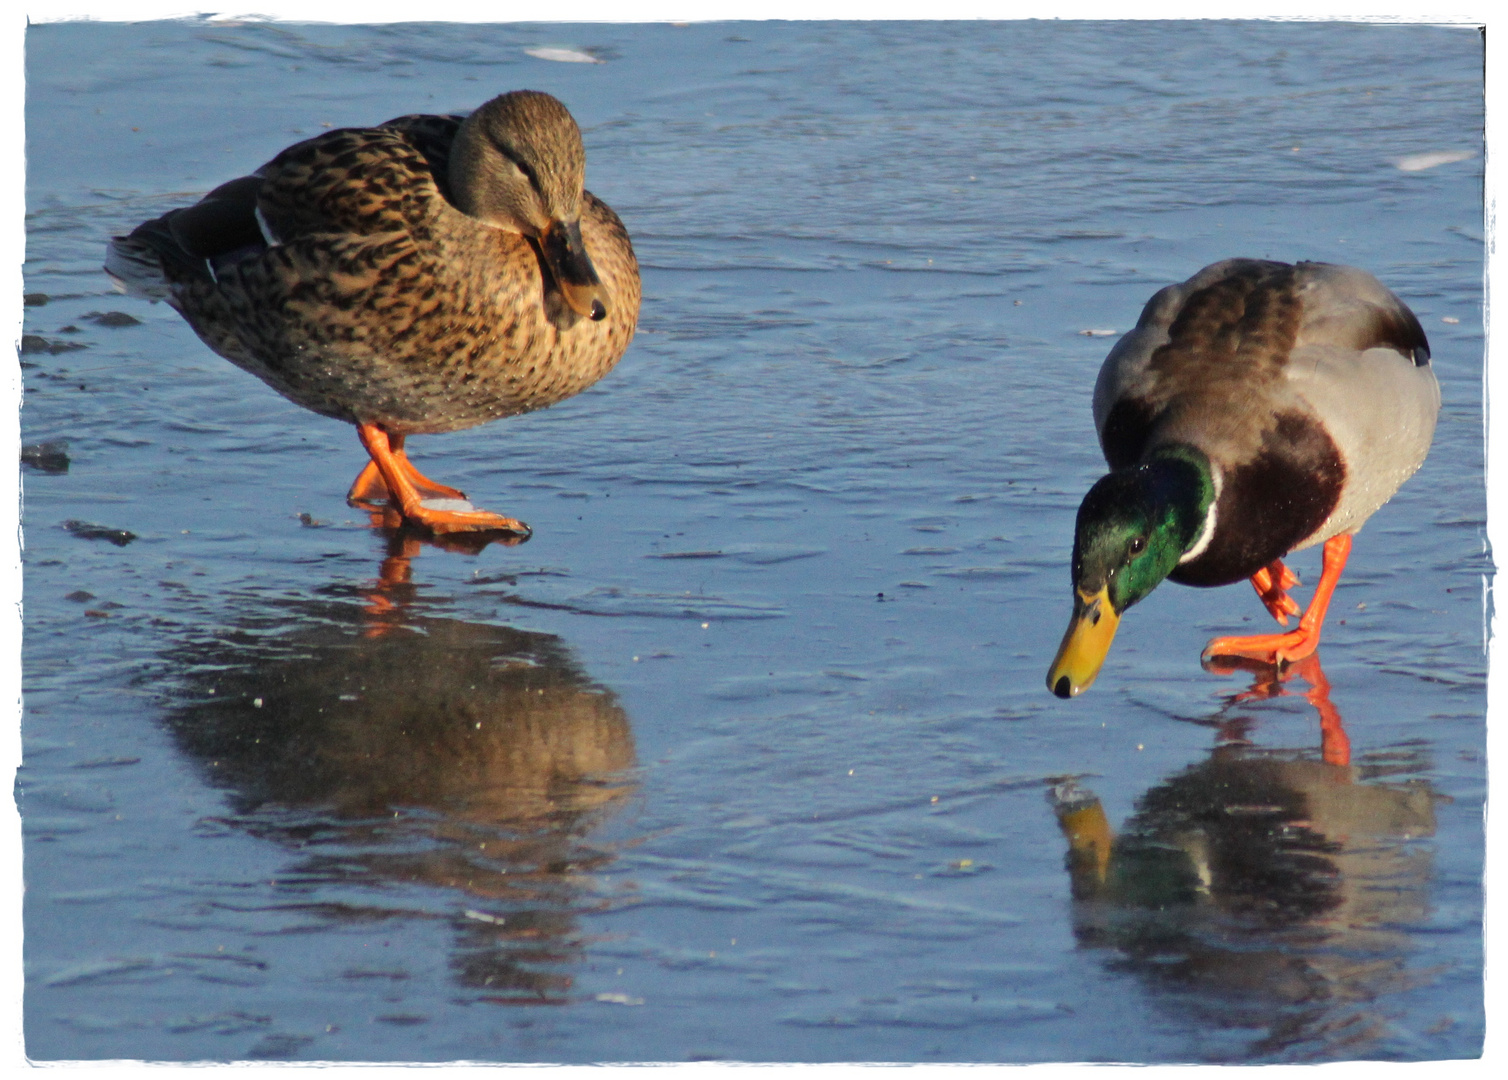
1256	409
425	275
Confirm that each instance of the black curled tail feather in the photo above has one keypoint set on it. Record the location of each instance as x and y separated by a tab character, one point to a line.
137	264
188	245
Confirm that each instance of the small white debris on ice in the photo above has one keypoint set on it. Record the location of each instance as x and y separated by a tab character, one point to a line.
1420	162
620	999
1449	319
482	916
562	55
1097	333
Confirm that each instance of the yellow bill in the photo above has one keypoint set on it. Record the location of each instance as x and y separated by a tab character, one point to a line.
1084	645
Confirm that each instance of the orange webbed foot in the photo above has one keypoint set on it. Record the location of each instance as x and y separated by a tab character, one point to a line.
1268	648
442	516
368	491
392	485
1305	638
1272	583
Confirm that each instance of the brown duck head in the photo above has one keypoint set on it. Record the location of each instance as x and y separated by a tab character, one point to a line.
518	164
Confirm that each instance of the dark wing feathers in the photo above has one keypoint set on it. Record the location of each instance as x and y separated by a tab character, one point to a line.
222	222
355	182
432	136
350	182
1247	321
1226	334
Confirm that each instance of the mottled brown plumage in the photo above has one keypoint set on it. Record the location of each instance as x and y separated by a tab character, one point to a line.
425	275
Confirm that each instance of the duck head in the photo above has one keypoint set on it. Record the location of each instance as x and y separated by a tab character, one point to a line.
1133	528
518	164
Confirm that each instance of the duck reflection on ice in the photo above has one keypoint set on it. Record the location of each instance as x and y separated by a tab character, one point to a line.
1259	892
436	752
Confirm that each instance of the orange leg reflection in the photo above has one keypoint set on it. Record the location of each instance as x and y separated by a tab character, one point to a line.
1298	643
389	594
393	577
1335	745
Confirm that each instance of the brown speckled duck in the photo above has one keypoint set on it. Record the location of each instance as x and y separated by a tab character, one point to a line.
425	275
1256	409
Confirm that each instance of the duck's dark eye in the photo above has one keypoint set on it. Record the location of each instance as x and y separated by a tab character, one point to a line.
1138	545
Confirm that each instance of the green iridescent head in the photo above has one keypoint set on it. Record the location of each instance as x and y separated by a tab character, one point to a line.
1133	527
1129	536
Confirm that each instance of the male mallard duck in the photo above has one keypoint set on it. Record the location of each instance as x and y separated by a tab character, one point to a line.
1257	409
425	275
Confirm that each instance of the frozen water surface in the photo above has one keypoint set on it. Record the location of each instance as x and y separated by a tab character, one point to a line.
747	753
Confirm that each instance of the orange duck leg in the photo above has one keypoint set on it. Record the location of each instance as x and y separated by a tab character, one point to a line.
1300	642
370	493
392	479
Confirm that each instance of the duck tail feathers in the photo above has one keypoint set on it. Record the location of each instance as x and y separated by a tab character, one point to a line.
135	268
